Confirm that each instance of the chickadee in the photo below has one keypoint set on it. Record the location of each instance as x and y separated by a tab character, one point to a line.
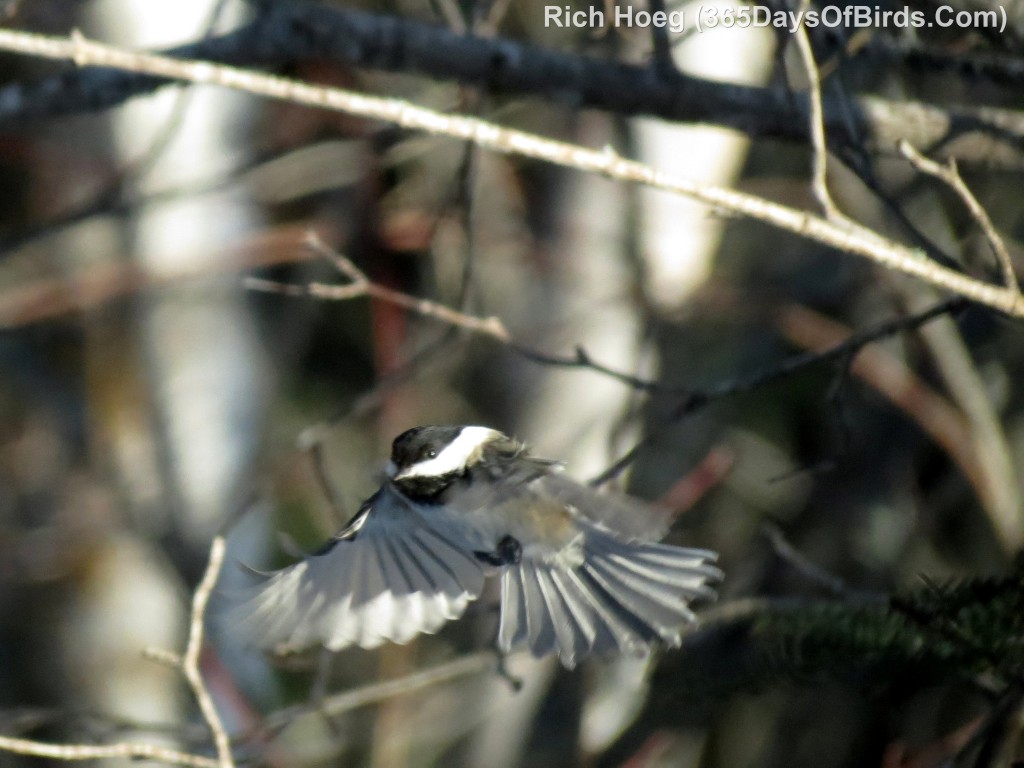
580	571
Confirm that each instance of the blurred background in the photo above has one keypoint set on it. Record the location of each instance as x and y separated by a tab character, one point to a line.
868	509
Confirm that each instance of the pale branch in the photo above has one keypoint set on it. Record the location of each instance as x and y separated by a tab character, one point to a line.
193	649
162	656
346	701
819	144
282	33
492	326
848	237
949	174
361	285
189	665
126	750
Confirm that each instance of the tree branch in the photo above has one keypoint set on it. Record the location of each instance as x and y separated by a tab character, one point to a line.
295	31
189	665
190	659
950	175
848	237
696	400
127	749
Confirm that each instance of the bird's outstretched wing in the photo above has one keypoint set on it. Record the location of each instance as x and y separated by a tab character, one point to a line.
389	577
619	596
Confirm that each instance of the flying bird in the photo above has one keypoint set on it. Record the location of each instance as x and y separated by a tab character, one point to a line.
581	572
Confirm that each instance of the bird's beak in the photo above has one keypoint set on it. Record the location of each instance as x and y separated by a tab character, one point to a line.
391	470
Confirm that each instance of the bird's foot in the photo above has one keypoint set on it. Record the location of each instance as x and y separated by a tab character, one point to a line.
516	683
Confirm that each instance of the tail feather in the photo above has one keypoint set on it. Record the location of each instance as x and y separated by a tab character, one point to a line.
540	631
624	596
586	627
660	612
513	627
687	570
569	634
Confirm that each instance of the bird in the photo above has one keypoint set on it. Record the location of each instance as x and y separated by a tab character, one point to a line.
581	572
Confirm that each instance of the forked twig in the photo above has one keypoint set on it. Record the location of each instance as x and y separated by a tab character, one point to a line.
361	285
819	179
189	665
950	175
190	659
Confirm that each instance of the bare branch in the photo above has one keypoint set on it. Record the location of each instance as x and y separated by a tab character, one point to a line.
819	181
190	659
851	238
162	656
491	327
950	175
189	665
361	285
799	562
692	400
127	749
696	400
372	694
287	32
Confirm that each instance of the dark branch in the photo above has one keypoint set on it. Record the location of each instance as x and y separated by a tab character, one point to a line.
294	31
695	400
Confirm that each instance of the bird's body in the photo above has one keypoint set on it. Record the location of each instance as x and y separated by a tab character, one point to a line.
581	572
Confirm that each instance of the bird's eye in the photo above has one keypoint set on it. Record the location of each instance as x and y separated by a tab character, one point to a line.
431	453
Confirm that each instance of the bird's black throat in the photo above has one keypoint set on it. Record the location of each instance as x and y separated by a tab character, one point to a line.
427	489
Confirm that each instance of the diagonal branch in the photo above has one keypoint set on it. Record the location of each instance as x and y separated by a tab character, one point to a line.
492	327
282	33
950	175
698	399
850	238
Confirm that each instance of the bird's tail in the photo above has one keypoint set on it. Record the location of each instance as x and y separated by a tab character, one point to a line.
624	596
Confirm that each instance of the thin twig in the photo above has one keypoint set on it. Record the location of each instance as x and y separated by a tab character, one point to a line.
692	399
189	666
360	285
126	749
819	179
799	562
850	237
346	701
950	175
162	656
190	659
698	399
662	47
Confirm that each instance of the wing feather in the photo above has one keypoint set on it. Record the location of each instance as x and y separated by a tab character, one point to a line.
393	578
